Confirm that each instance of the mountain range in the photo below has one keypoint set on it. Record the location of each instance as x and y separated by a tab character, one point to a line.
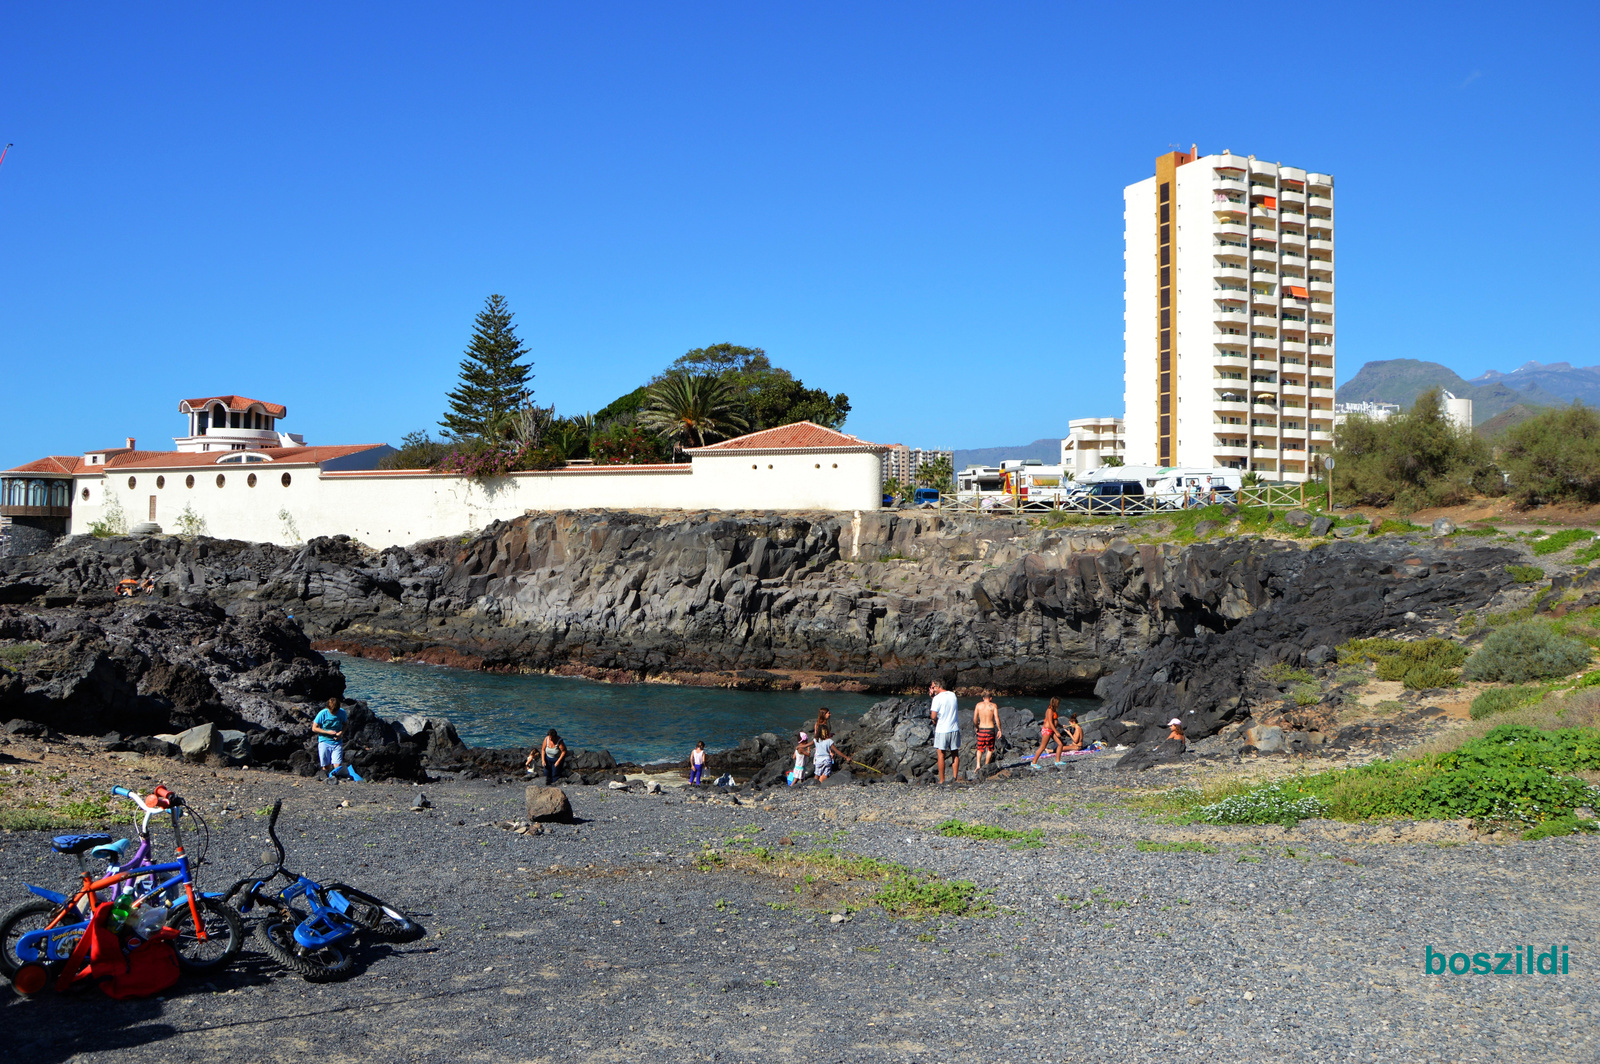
1498	399
1046	451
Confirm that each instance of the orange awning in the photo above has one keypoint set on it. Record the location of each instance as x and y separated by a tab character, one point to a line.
1270	202
1296	291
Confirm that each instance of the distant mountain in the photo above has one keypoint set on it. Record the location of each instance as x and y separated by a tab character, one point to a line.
1046	451
1401	380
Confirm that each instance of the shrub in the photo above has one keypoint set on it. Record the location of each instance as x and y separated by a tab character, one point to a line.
113	521
1558	826
1555	455
1500	699
1561	540
1528	650
1525	574
1419	665
1587	554
417	450
1274	803
1415	459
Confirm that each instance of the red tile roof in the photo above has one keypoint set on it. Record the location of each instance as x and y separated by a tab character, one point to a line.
233	403
801	436
188	459
56	463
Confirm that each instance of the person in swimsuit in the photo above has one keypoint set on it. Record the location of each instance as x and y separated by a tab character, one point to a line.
822	752
697	763
1178	732
824	720
551	752
1051	730
986	721
1074	733
802	748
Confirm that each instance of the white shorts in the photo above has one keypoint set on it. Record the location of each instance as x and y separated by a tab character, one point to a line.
330	755
948	740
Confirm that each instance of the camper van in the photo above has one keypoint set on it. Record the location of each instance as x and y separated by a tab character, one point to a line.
1184	488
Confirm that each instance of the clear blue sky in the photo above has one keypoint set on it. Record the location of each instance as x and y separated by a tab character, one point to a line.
919	205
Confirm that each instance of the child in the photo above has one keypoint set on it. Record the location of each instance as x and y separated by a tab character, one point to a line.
822	753
801	749
697	763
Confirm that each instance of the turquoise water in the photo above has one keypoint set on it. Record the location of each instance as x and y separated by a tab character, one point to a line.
636	722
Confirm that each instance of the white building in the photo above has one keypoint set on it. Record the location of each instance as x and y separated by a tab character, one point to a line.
1090	441
287	494
1457	411
1229	315
902	462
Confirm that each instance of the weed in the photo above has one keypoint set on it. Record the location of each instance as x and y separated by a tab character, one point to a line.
1270	804
924	937
1558	826
1500	699
1481	530
1419	665
17	653
1306	694
1525	574
1282	672
1587	554
1185	846
1024	840
1561	540
1248	859
1528	650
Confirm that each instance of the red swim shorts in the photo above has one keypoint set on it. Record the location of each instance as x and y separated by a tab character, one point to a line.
986	738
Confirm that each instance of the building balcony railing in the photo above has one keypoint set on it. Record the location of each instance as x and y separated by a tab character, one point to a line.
35	511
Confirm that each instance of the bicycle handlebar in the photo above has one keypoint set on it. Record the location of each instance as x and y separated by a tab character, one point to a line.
123	792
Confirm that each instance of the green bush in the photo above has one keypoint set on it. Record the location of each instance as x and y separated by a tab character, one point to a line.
1420	665
1415	459
1558	826
1561	540
1500	699
1528	650
1525	574
1274	803
1587	554
1555	455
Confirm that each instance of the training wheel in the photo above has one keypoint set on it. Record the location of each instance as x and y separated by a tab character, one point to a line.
30	979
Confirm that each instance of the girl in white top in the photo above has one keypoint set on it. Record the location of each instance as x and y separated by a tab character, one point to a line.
697	763
822	755
801	749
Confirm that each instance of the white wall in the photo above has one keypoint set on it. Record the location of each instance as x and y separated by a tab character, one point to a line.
1139	321
386	509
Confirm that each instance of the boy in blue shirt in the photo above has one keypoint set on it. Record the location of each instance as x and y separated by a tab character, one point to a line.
329	728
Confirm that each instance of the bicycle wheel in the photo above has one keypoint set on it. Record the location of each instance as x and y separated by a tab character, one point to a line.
326	965
33	916
224	936
378	917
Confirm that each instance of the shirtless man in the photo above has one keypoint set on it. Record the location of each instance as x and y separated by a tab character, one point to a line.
1074	733
986	721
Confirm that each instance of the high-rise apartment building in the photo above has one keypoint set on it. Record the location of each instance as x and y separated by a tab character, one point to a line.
1228	319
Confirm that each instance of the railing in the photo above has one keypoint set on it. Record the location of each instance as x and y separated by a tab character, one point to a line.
1271	495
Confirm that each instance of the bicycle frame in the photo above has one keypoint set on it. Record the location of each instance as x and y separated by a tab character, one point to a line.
326	925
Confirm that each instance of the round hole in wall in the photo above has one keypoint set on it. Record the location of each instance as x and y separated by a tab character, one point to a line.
85	494
769	465
817	466
221	480
133	482
285	479
188	481
836	465
754	466
250	480
161	482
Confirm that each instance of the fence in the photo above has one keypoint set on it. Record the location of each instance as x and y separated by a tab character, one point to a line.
1274	496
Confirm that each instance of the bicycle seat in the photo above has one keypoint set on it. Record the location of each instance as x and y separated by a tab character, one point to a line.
77	843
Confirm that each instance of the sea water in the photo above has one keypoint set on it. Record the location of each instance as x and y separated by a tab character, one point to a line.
636	722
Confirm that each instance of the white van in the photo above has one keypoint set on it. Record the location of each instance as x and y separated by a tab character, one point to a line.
1184	488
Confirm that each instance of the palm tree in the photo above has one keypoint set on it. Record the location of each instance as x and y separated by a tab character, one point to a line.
692	409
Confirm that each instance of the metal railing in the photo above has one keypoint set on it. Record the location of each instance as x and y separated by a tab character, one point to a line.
1275	496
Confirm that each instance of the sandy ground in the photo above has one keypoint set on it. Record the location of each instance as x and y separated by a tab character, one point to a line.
647	930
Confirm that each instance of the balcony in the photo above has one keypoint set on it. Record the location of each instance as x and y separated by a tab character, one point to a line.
1231	401
1291	195
1232	229
1230	242
1320	245
1226	179
1231	354
1265	255
1267	214
1297	346
1223	450
1267	321
35	511
1294	388
1320	287
1289	236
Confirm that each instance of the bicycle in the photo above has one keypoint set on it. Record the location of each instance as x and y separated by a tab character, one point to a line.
38	937
313	944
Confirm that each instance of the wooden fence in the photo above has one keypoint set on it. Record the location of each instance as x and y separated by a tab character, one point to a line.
1275	496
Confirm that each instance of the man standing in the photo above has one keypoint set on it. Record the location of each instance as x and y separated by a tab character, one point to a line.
329	728
986	722
946	727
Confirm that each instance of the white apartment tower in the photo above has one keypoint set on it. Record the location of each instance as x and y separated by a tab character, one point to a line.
1228	318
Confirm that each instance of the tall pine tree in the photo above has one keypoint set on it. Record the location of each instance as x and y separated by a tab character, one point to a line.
494	380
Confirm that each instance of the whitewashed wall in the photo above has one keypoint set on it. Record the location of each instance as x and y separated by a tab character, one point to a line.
387	509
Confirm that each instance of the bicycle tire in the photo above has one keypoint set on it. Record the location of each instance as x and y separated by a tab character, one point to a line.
326	965
377	917
224	936
16	923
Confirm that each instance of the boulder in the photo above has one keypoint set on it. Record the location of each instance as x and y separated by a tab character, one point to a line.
200	743
235	744
1148	755
1297	519
1266	740
1320	654
391	761
1202	529
1443	526
1321	525
1347	531
590	761
28	729
151	746
548	803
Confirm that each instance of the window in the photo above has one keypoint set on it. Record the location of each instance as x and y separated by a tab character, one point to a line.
221	480
161	482
189	481
133	482
85	494
285	480
233	420
250	481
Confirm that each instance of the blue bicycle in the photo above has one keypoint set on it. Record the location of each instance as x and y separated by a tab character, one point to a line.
308	928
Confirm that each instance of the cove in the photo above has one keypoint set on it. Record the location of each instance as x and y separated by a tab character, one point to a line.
636	722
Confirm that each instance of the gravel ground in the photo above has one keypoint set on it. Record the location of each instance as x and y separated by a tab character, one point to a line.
610	939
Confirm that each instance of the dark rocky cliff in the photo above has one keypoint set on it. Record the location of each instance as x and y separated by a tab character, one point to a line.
879	601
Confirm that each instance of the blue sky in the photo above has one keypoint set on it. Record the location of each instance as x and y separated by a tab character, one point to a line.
919	205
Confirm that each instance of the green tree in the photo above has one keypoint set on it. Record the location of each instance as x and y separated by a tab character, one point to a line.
417	450
1112	461
692	409
784	401
1555	455
937	473
1415	459
494	379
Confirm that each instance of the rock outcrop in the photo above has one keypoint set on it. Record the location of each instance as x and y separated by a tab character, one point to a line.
874	601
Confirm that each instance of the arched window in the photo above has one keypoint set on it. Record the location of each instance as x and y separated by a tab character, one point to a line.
38	493
61	493
219	417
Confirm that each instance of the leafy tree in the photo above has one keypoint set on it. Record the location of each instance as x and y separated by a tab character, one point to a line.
1415	459
745	368
625	407
626	443
1112	461
692	409
1555	455
784	401
417	450
936	474
494	380
898	489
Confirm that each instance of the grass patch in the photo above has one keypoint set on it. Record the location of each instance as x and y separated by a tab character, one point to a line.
1525	574
17	653
82	814
896	888
1527	650
1481	530
1558	826
1282	672
1562	540
1500	699
1419	665
1587	554
1031	839
1187	846
1397	527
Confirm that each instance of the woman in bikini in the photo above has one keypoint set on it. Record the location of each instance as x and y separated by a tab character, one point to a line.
1051	729
1074	733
